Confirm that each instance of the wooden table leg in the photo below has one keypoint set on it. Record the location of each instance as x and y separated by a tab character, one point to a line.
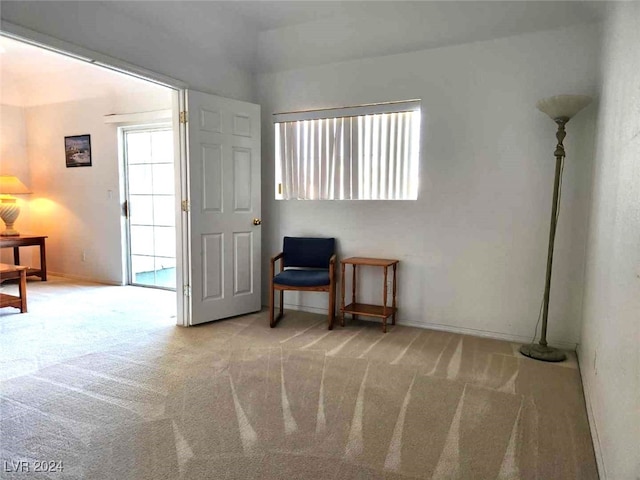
353	289
16	255
22	291
393	318
384	302
342	279
43	262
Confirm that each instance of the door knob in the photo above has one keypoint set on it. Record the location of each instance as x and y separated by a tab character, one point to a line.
257	221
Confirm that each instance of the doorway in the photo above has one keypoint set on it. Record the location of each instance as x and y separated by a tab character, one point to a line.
150	205
217	167
82	96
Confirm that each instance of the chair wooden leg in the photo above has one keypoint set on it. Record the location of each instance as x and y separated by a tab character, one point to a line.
333	294
272	293
273	318
332	305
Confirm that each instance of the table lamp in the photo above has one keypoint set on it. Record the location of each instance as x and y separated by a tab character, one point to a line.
9	209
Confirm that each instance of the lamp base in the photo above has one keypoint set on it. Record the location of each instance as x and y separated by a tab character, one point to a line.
9	212
541	352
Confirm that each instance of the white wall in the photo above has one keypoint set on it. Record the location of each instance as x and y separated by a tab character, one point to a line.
14	161
13	144
201	56
79	208
473	247
610	342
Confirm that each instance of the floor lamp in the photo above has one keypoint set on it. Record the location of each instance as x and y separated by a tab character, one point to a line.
560	108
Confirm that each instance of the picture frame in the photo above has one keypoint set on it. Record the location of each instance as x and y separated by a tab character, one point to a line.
77	150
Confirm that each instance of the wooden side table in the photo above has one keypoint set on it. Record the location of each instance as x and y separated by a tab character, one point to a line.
380	311
25	241
14	271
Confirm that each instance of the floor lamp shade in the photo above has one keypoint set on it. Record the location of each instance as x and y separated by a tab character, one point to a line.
563	106
560	108
9	208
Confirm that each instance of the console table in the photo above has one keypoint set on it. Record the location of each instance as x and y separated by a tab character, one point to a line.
380	311
26	241
14	271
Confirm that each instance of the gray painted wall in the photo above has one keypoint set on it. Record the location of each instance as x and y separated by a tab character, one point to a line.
610	341
473	246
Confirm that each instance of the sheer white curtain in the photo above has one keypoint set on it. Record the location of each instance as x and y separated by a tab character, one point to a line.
362	157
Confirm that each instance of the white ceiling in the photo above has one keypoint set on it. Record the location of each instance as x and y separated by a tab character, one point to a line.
265	36
266	15
260	15
270	15
387	28
32	76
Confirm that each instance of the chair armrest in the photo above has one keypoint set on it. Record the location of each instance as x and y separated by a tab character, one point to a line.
332	260
273	263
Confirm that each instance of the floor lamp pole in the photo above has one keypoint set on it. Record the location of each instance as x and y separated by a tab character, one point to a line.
542	351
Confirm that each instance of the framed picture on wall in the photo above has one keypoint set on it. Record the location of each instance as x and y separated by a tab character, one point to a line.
77	150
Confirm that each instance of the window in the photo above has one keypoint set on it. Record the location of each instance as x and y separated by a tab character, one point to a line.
369	152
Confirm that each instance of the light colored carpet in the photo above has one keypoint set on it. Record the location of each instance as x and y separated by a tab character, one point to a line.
99	378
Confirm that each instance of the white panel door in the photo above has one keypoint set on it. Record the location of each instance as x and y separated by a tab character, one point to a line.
224	182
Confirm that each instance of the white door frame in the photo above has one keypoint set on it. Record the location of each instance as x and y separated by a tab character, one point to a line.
183	270
183	221
160	125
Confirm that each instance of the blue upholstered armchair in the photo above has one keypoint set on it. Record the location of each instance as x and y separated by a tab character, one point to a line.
306	264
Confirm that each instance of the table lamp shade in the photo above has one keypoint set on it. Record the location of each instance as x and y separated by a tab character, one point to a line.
10	185
9	209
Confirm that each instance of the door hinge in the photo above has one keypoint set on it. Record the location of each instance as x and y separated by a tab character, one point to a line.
183	117
187	290
186	206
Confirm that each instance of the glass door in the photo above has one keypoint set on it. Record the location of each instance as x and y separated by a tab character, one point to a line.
150	190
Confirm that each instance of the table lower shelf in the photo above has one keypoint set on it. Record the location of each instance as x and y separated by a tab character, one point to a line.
35	272
368	310
10	301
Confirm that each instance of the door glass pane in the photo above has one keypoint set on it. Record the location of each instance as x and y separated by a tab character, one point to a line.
162	146
141	240
163	178
165	241
142	270
140	179
164	210
141	209
138	147
165	272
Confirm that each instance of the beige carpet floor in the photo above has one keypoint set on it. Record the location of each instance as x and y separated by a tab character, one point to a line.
100	379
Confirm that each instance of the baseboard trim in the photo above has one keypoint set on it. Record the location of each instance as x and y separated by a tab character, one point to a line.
447	328
485	333
303	308
84	279
595	438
